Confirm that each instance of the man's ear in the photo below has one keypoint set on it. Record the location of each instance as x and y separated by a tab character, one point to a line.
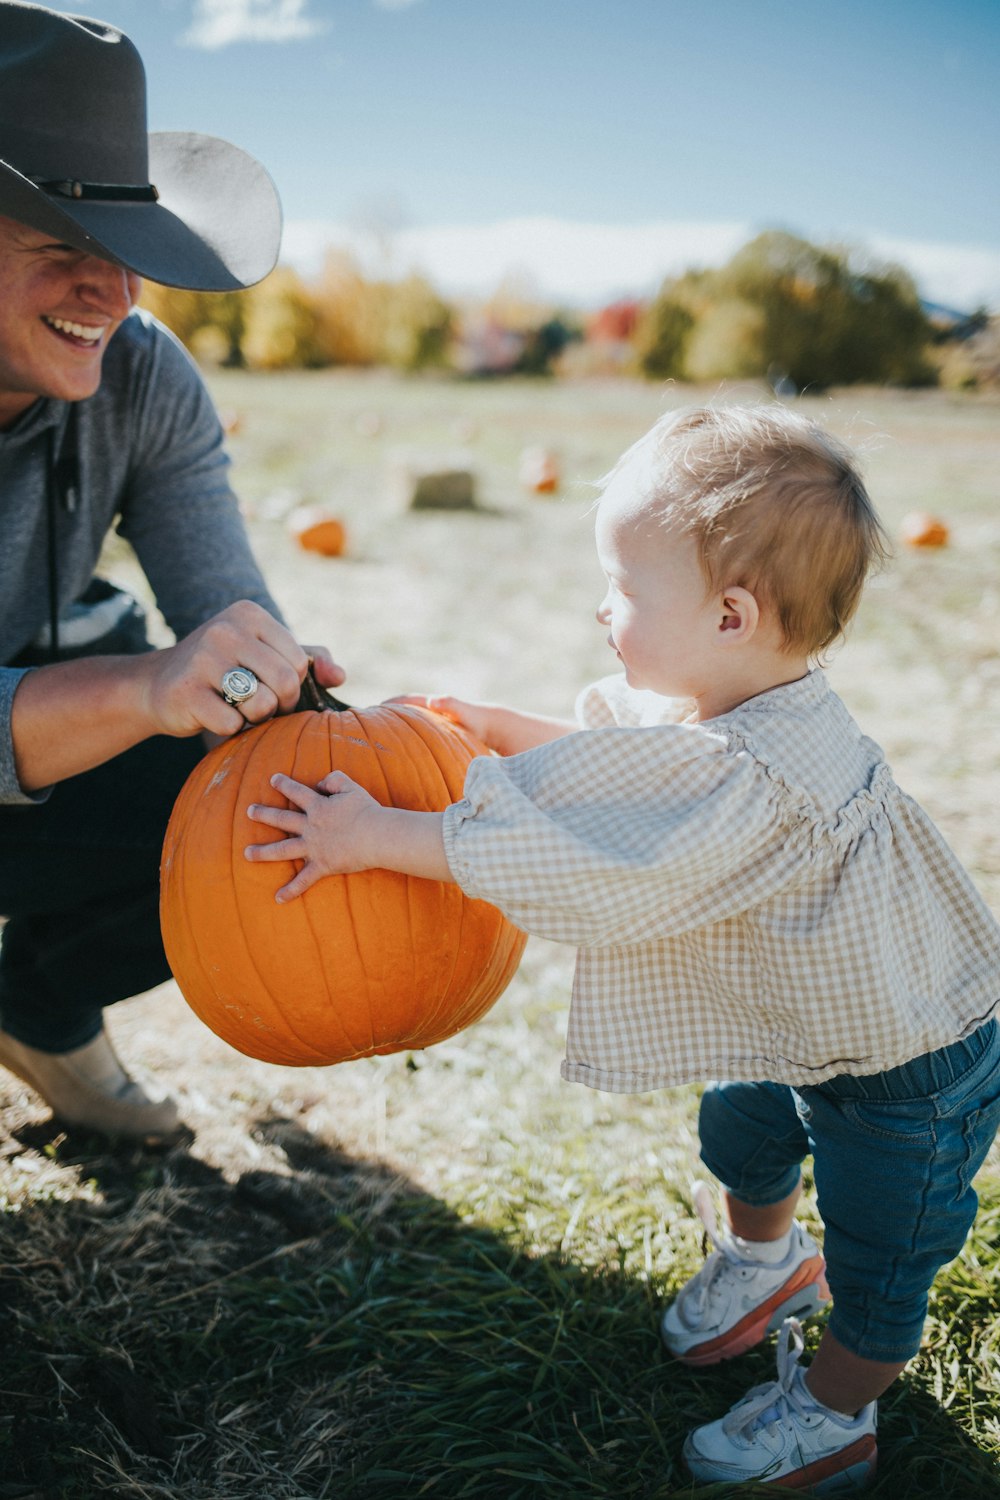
739	615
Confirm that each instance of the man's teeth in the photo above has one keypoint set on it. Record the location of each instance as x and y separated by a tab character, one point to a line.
78	330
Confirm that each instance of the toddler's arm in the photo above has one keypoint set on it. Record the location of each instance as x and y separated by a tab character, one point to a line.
339	828
505	730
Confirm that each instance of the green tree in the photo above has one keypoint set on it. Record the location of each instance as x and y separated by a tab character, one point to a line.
662	335
417	325
725	341
215	320
817	315
828	319
544	343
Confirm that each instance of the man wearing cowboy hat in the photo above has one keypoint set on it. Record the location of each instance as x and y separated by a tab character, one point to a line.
104	422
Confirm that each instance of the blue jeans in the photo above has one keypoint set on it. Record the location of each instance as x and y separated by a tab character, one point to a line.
894	1155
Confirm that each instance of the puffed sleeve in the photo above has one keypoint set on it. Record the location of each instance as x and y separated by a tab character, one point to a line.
616	836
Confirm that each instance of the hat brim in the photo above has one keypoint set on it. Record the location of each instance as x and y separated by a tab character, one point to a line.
215	227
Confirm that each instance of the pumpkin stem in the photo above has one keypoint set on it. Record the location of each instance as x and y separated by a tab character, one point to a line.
313	696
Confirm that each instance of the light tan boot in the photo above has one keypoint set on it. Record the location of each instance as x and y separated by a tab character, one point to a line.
89	1088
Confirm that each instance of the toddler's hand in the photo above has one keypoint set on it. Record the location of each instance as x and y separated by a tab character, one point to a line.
475	717
325	829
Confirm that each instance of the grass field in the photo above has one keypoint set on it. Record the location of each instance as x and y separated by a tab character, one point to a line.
439	1273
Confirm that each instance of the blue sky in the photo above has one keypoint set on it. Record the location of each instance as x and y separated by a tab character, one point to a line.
592	146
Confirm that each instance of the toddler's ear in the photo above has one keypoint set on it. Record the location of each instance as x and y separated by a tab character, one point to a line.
739	615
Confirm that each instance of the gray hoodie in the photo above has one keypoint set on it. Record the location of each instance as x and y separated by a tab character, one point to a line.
151	463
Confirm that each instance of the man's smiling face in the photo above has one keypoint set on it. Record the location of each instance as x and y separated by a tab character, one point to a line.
58	309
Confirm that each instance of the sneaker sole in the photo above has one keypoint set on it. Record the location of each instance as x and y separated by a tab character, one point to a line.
804	1293
848	1470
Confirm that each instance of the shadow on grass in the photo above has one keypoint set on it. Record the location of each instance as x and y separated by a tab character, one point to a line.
327	1328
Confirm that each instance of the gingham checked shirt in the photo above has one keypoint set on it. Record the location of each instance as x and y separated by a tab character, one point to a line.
752	896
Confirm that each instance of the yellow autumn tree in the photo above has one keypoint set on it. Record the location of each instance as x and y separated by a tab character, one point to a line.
282	326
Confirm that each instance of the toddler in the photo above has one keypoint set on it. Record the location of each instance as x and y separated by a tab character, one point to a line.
754	900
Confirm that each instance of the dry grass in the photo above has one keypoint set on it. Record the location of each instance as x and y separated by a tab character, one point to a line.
438	1274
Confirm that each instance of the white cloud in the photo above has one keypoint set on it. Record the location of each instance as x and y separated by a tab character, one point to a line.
218	23
960	276
579	263
587	264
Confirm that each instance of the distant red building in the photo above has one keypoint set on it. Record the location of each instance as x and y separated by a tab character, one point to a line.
614	324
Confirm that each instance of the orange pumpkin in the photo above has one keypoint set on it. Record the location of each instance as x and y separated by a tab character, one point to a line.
539	471
920	529
316	530
361	964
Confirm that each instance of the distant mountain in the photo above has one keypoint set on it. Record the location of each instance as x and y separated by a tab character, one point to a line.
944	317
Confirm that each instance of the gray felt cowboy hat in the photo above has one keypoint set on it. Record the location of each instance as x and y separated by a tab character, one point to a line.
76	161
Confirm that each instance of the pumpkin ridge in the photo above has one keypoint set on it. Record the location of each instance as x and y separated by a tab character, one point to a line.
472	914
374	726
477	917
428	896
429	733
413	894
436	763
250	784
400	961
388	800
171	871
204	790
366	1049
226	914
321	731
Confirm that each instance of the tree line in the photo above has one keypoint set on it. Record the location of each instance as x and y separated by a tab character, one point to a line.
803	316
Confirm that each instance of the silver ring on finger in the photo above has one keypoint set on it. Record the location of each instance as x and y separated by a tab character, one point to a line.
238	686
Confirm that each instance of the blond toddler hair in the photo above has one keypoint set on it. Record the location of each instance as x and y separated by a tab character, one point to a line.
775	505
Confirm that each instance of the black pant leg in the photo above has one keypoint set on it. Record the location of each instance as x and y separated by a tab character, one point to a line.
79	884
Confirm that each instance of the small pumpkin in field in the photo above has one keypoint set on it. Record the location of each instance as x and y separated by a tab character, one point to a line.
318	530
539	471
361	964
921	529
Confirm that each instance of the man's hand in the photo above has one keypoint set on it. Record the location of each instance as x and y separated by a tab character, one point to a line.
183	687
73	715
326	670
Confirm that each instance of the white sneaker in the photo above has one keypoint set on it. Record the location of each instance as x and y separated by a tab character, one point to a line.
779	1434
733	1303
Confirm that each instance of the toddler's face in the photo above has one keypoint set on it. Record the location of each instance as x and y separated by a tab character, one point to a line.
661	623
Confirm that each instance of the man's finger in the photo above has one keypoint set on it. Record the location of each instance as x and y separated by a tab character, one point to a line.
328	672
261	707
